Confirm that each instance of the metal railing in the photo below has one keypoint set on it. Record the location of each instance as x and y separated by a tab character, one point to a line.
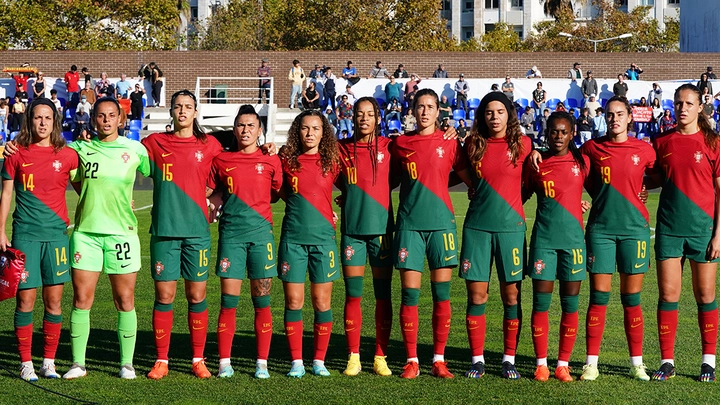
235	90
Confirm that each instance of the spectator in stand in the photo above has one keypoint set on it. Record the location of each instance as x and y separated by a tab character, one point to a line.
620	88
527	123
157	84
296	77
264	86
378	71
667	122
81	120
393	111
409	121
392	90
317	76
350	73
704	83
4	116
634	72
86	75
445	111
72	77
461	91
708	110
345	114
560	107
440	72
18	112
329	90
56	101
575	73
589	86
655	93
317	72
168	129
533	73
400	72
85	103
657	116
103	87
599	125
494	87
593	105
136	102
411	86
351	98
539	99
710	73
584	125
542	123
310	97
39	86
462	130
122	87
508	89
332	119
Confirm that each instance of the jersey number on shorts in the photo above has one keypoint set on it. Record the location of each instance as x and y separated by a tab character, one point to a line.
203	257
412	170
270	251
167	174
642	249
91	169
60	256
449	240
123	251
29	182
516	256
332	259
577	256
384	242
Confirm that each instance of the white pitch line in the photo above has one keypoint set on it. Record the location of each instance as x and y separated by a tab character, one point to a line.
135	209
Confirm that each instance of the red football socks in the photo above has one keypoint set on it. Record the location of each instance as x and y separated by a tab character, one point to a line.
162	325
568	335
24	341
476	329
634	329
511	333
540	326
383	326
197	323
322	333
226	331
51	333
594	328
294	334
667	328
409	325
708	330
263	332
442	313
353	323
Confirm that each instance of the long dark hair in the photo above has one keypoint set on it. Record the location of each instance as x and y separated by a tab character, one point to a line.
479	133
329	155
374	143
431	93
197	130
562	115
25	137
711	137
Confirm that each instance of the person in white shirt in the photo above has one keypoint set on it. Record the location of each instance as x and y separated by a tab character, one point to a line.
533	73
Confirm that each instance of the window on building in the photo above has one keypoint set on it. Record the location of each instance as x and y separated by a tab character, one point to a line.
516	3
647	2
677	2
492	3
622	5
469	35
193	13
489	27
519	30
469	5
446	5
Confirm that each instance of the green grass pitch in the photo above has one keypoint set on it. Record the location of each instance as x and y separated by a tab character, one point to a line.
102	384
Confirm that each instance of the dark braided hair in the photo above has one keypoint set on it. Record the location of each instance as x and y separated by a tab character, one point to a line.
373	145
562	115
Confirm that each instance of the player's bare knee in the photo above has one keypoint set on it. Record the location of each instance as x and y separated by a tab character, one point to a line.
195	297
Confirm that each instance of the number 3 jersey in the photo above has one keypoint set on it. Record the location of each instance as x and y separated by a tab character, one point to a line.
559	187
107	175
40	177
180	171
425	163
248	180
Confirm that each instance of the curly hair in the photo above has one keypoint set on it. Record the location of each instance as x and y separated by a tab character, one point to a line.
479	134
25	137
711	137
328	149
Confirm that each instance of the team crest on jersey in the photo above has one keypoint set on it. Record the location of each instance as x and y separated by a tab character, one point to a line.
125	157
24	276
199	156
636	159
539	266
698	156
284	268
380	157
349	252
259	168
440	151
77	256
403	254
57	165
576	170
224	265
159	267
465	266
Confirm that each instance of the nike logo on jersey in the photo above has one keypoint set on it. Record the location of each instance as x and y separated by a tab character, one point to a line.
122	266
447	258
515	273
199	274
605	157
666	155
349	158
229	169
27	164
166	154
91	153
637	266
60	273
575	271
268	267
410	154
547	172
331	274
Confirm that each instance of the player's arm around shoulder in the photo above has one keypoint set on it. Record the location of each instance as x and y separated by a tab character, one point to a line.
8	174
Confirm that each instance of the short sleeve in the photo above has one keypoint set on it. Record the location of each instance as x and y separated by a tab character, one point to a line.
144	167
461	160
213	177
716	163
651	156
9	167
277	176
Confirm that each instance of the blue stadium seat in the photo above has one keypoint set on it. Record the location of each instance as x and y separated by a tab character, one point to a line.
144	99
572	103
552	104
522	102
668	105
603	101
380	101
468	123
134	135
474	103
394	124
68	135
136	125
69	113
634	101
458	114
471	114
63	102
